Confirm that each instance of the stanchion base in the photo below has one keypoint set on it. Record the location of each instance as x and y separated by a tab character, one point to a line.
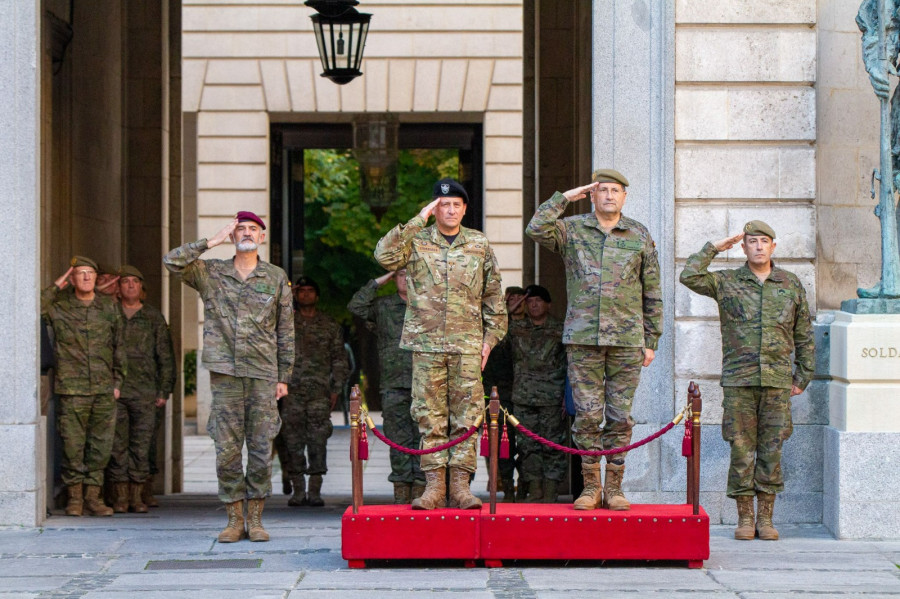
525	532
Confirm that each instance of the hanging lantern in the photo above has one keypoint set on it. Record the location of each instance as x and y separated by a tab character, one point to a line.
341	36
375	139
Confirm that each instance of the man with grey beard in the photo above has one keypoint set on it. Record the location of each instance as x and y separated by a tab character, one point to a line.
248	347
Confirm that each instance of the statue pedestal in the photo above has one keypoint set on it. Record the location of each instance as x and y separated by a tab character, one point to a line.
862	441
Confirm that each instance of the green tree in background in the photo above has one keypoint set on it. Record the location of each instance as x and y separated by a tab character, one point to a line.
341	231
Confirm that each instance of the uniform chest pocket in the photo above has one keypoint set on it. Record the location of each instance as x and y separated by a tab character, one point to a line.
790	300
733	308
262	307
623	262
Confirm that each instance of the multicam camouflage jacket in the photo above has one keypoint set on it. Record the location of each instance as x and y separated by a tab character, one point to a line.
248	328
384	315
89	342
151	362
762	323
540	362
455	299
320	358
612	281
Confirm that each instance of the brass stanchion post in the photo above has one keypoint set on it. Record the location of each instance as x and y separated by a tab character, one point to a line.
355	464
494	412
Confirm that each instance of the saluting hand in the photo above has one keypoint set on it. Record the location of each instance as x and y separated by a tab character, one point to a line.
580	192
108	284
220	237
63	281
427	210
728	242
383	279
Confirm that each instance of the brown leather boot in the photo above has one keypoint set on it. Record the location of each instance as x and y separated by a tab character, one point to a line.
93	504
765	506
298	498
508	486
120	501
744	530
402	493
435	494
75	503
535	491
234	530
613	496
551	490
147	493
136	502
314	496
254	520
592	495
460	494
418	488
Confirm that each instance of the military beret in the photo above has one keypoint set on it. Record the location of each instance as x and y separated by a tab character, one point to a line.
513	290
306	282
83	261
126	270
608	175
245	215
538	291
757	227
450	188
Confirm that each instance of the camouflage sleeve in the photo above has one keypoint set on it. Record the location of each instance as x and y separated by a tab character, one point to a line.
47	296
493	306
362	304
867	22
651	297
545	227
284	332
184	262
340	369
804	344
695	275
165	359
394	249
120	358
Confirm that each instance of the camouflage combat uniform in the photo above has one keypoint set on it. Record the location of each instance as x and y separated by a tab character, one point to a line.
499	372
320	368
248	347
614	311
151	375
762	324
384	315
538	394
90	363
455	304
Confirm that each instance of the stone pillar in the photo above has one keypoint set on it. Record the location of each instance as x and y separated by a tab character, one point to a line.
862	440
22	451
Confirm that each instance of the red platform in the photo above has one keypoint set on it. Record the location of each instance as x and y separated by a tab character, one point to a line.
525	532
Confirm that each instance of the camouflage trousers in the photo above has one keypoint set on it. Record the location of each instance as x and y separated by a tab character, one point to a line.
306	417
603	382
243	410
159	416
87	424
539	461
447	397
135	425
402	429
756	421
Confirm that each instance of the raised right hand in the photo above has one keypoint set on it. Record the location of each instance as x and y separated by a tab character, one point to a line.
728	242
580	192
63	281
427	210
220	237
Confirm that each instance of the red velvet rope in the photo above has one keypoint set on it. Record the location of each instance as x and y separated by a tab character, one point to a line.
472	430
573	451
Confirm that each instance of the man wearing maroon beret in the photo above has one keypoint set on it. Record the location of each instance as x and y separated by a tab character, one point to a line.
248	347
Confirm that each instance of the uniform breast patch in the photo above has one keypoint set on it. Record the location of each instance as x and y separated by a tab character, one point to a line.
628	244
264	288
425	246
474	250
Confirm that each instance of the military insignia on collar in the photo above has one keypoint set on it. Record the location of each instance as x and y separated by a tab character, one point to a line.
445	188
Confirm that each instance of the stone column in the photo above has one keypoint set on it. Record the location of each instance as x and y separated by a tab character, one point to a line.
21	428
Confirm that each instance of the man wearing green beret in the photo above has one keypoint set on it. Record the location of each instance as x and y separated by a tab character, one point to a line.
764	318
90	367
613	320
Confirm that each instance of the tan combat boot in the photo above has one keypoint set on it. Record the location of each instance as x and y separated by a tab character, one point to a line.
254	520
298	498
120	503
75	503
613	496
535	491
314	497
136	503
234	530
592	495
764	527
508	486
93	504
435	494
744	530
418	488
460	494
551	490
147	493
402	493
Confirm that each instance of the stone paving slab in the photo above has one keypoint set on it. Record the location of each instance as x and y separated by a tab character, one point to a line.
785	581
378	580
602	592
634	579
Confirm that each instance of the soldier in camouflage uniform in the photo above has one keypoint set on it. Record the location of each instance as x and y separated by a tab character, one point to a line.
539	394
90	367
613	320
248	347
454	316
384	315
320	370
764	318
499	372
147	386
